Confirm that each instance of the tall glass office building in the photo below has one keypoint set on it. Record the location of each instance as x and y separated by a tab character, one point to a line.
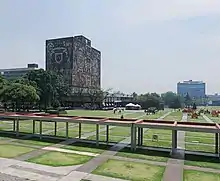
195	89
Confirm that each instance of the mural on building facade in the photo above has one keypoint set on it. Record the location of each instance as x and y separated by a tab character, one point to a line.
86	63
76	60
58	56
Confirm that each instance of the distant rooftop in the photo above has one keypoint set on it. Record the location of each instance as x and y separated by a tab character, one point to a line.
191	82
29	67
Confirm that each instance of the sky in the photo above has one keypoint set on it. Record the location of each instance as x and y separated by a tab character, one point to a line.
146	45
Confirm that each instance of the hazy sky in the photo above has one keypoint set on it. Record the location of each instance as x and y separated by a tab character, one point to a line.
146	45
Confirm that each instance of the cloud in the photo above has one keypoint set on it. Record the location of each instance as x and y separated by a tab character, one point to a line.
140	11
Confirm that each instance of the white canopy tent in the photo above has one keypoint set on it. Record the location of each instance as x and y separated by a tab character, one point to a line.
133	106
130	105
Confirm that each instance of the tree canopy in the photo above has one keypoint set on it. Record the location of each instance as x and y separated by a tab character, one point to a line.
40	87
45	89
172	100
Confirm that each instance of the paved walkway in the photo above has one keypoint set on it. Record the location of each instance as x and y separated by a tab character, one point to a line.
174	169
50	148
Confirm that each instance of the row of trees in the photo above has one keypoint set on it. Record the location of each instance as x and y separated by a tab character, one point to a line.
169	99
38	88
44	89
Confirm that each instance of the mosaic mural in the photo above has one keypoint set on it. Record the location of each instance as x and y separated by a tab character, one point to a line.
76	60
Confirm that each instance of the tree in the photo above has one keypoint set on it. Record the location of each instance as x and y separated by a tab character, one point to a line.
176	103
187	100
194	106
19	95
172	100
134	95
149	100
97	96
3	84
49	85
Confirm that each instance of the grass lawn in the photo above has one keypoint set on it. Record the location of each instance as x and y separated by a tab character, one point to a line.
6	125
130	171
202	161
174	116
214	119
154	116
199	119
126	114
113	139
87	147
37	141
57	159
73	130
116	134
95	113
191	175
119	131
10	151
144	154
198	139
164	138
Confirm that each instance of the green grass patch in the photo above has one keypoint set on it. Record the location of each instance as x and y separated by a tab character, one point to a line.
6	125
154	116
116	134
119	131
202	161
57	159
87	147
73	130
133	114
130	170
37	141
164	138
200	148
111	138
91	113
174	116
214	119
198	139
10	151
144	154
192	175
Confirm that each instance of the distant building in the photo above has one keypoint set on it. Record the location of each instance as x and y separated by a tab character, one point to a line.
195	89
214	100
15	73
76	60
117	100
